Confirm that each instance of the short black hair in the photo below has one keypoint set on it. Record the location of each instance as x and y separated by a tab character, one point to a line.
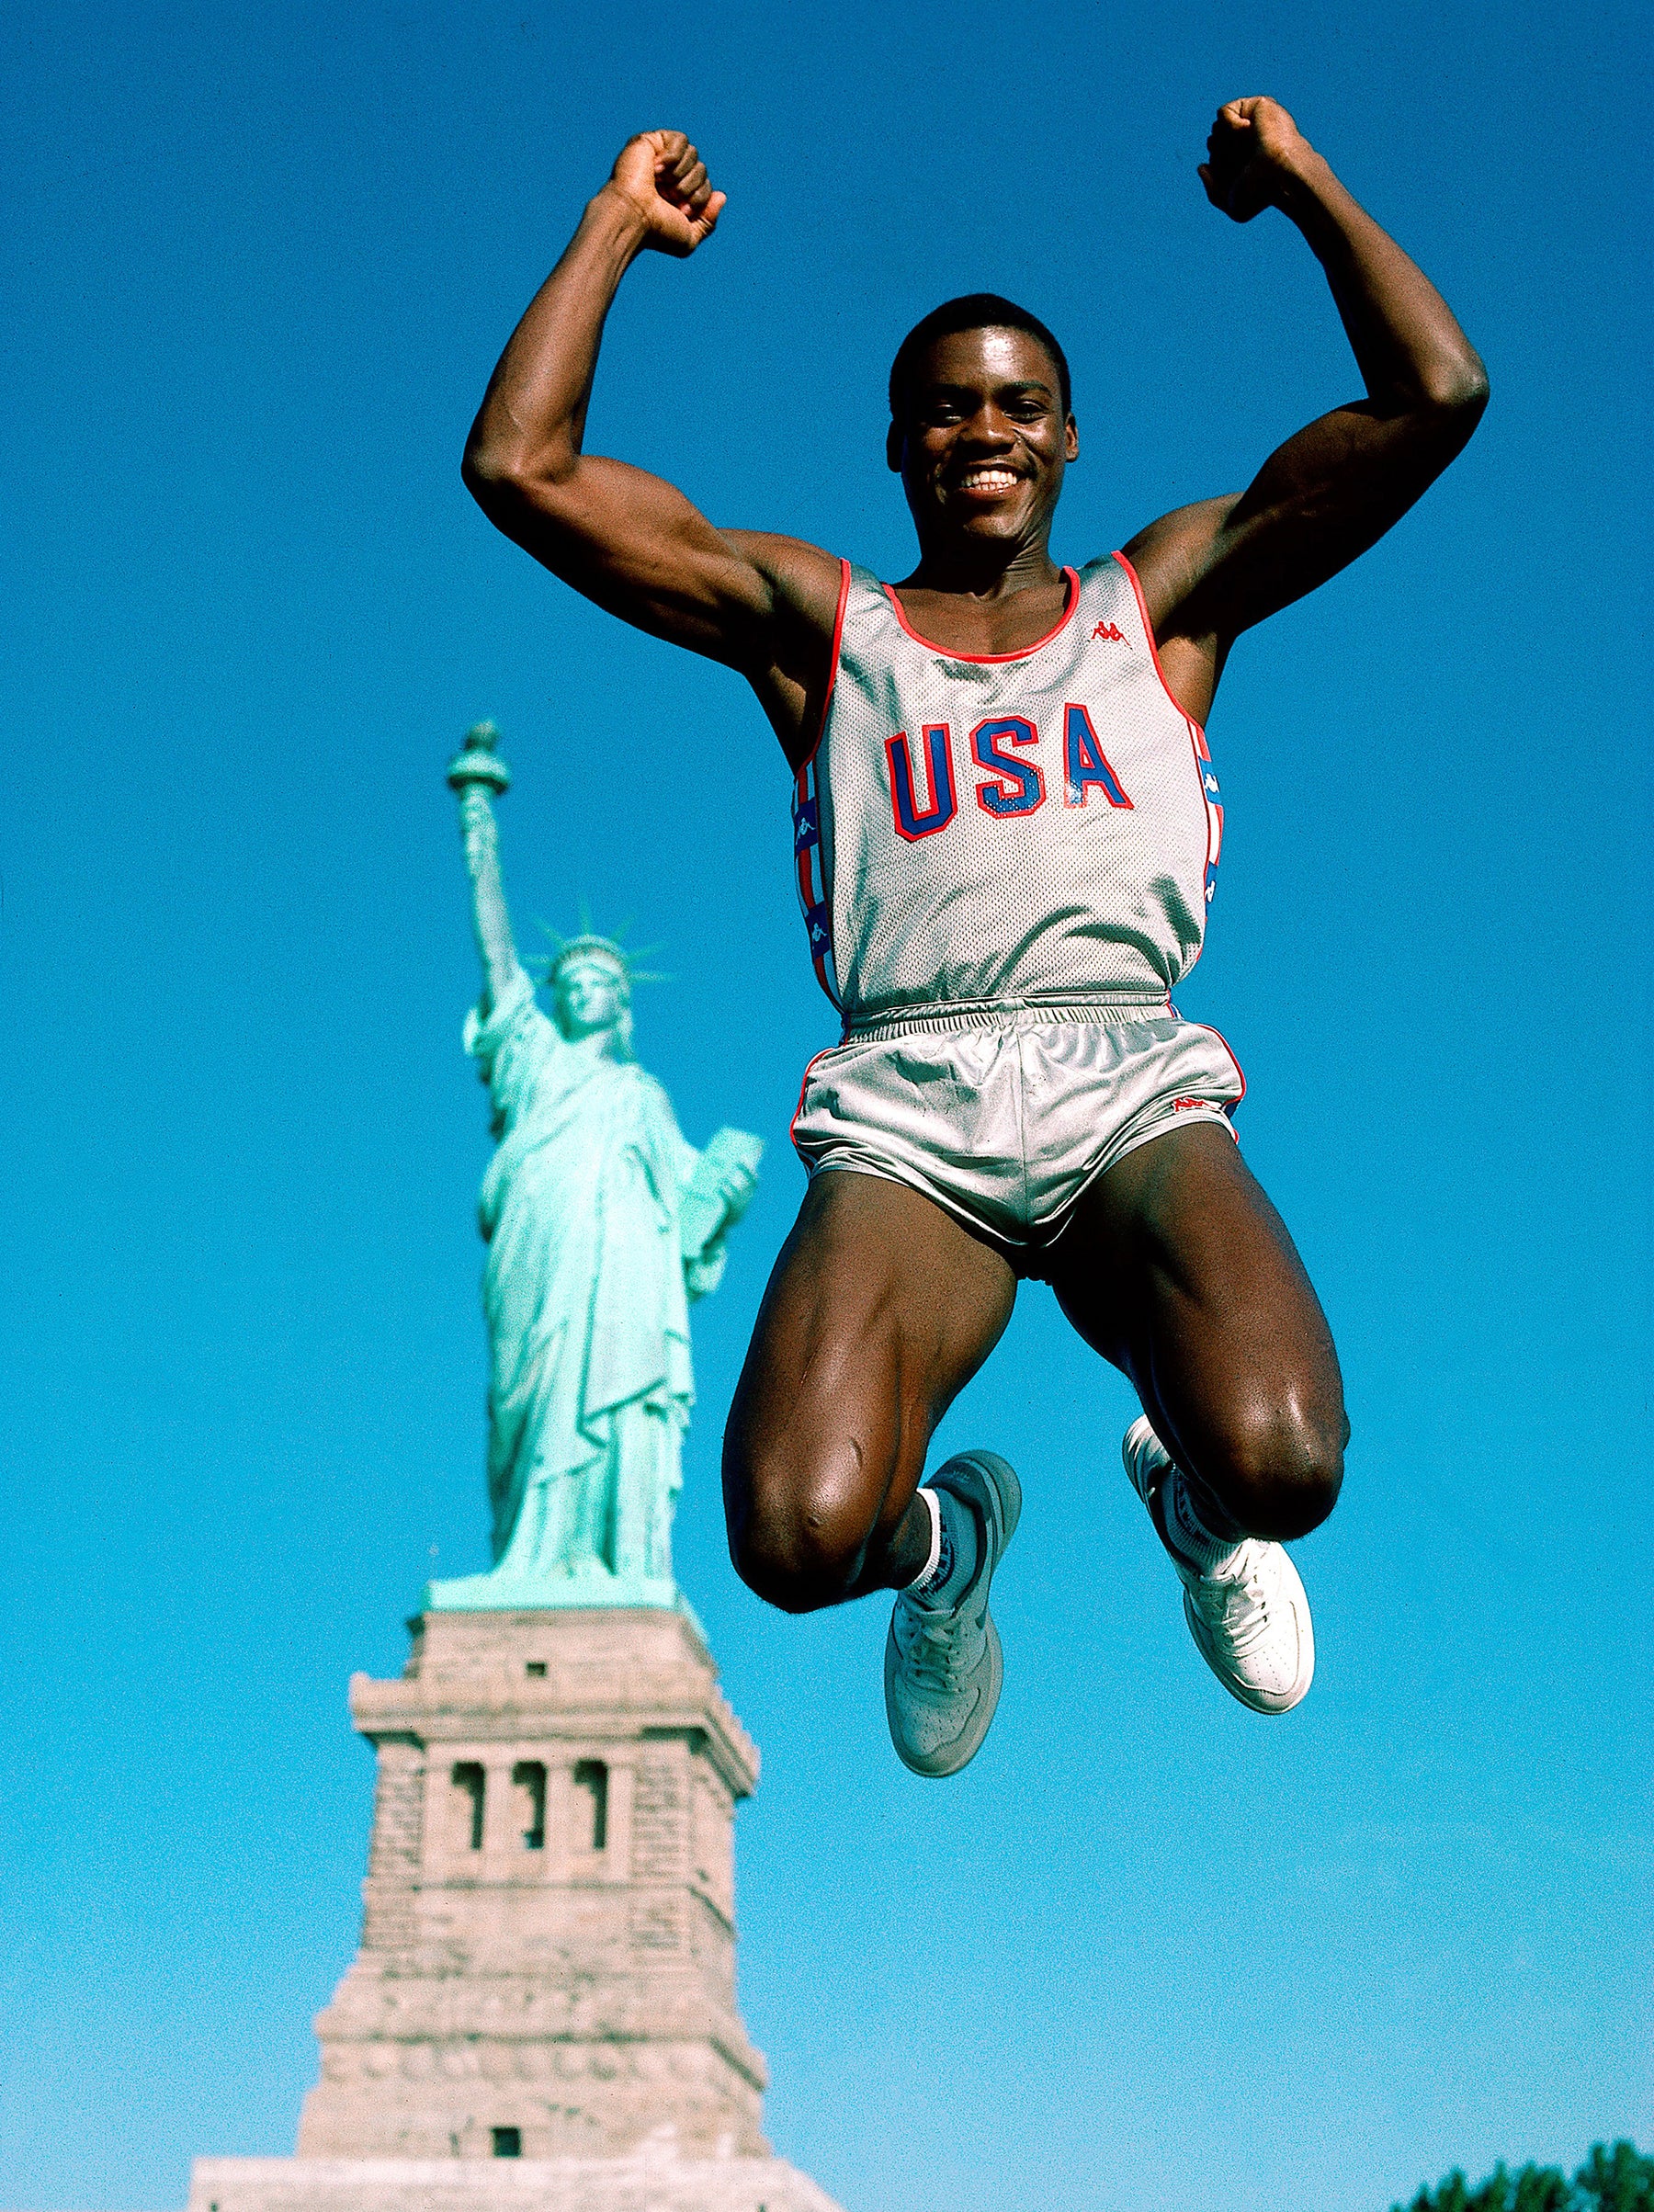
974	311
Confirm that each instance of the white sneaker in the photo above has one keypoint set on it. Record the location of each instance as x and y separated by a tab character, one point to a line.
1251	1620
943	1665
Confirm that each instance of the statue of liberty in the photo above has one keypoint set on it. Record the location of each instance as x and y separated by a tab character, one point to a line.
601	1225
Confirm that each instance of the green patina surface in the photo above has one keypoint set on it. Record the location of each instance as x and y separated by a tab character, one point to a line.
603	1225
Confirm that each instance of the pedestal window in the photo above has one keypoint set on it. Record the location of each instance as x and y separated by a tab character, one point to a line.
470	1784
529	1779
592	1777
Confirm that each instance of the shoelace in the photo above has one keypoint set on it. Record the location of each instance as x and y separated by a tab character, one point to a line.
1239	1608
936	1654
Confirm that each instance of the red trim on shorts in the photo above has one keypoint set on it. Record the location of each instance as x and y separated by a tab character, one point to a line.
1233	1062
804	1085
985	660
832	666
1153	649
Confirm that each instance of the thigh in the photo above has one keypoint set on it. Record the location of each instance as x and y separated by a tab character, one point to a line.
1178	1269
880	1308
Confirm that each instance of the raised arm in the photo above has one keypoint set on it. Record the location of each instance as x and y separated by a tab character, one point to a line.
476	774
760	604
1211	570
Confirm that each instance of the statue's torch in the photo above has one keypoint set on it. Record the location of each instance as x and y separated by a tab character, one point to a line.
477	762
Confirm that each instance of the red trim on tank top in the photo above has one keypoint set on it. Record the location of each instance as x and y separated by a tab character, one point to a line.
1196	741
832	666
1153	649
984	660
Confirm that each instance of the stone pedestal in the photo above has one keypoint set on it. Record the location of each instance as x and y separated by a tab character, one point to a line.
548	1939
542	2012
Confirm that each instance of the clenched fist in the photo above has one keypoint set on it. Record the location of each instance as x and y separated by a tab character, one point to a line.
1255	146
665	180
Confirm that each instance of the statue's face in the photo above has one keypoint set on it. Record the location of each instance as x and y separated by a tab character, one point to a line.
591	995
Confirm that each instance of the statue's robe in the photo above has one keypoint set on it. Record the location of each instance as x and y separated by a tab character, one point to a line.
591	1383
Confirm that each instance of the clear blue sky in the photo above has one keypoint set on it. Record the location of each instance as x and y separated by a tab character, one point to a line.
1149	1949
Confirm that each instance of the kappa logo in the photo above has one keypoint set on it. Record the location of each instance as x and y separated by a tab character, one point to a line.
1111	632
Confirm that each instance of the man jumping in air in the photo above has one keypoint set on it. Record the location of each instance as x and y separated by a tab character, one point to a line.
1006	830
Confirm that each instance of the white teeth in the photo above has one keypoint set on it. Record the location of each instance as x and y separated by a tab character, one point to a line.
987	480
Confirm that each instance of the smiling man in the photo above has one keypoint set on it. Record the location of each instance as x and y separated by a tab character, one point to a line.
1007	828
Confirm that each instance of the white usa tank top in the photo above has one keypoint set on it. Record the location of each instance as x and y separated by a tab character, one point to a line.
1028	829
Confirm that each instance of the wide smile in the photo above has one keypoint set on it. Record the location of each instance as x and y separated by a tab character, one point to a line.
985	480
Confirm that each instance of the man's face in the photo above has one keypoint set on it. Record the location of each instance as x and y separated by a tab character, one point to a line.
983	443
590	996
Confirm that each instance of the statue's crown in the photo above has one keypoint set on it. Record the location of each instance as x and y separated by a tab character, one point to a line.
584	946
588	945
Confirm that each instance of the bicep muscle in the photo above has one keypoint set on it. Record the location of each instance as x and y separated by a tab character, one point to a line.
1319	501
632	544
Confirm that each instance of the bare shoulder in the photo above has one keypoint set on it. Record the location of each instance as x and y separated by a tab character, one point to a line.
1172	557
804	579
792	672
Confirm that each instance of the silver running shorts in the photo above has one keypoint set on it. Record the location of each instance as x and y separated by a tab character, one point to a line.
1004	1117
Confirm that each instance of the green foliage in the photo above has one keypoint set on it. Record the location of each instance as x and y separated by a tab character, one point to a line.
1621	2180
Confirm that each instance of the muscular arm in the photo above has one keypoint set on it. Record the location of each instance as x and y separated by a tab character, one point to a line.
760	604
1211	570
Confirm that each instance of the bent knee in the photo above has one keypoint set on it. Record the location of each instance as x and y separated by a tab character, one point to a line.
1283	1467
798	1561
799	1534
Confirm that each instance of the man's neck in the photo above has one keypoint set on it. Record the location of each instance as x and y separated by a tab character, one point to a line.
978	571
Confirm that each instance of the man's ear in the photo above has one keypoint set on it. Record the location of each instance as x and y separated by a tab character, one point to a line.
1071	439
893	444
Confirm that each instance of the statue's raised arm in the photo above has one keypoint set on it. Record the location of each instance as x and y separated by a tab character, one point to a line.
476	773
